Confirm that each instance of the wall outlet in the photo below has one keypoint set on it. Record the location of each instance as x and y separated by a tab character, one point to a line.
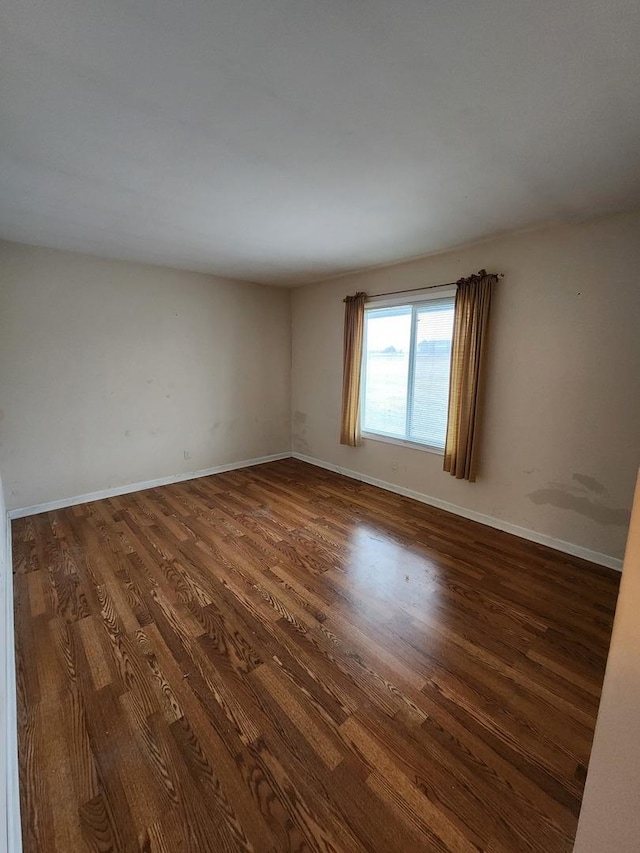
394	466
187	455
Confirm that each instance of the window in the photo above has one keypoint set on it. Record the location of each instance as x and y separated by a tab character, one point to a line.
405	371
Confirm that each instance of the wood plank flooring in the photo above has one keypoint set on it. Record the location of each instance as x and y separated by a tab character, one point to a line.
282	659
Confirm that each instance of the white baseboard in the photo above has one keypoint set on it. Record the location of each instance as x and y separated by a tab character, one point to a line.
489	520
115	491
12	790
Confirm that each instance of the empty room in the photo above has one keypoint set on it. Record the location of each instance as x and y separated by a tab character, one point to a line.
319	426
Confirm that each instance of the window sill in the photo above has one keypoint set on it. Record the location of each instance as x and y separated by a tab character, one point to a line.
413	445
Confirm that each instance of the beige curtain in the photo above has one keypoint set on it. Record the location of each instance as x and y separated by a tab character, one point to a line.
469	345
353	337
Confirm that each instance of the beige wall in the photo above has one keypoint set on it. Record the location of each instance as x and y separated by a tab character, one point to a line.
610	815
561	438
111	371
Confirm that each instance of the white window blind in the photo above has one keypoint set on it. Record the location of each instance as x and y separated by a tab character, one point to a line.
405	371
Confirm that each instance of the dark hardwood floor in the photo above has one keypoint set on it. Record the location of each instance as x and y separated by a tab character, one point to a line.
281	658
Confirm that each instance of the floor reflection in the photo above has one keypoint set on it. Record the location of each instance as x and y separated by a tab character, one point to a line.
392	571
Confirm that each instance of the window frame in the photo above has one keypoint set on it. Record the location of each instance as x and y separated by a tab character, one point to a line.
415	300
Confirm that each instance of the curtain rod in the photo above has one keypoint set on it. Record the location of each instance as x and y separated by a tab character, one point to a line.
429	287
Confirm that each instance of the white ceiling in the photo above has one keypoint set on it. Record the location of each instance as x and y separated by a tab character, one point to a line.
288	140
